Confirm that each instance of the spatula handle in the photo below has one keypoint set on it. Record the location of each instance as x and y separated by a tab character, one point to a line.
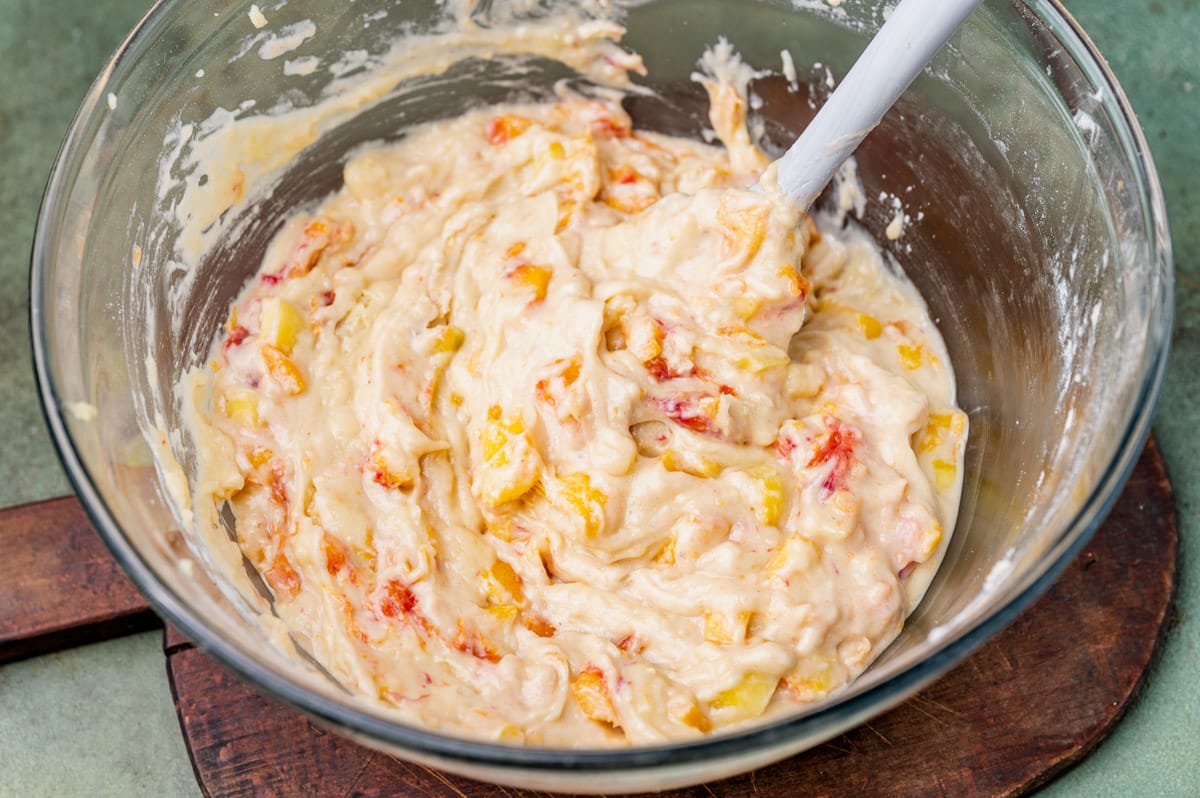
909	38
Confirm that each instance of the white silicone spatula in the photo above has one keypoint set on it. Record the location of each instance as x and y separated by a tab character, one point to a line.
909	38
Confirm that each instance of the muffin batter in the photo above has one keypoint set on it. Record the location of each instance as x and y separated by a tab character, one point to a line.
547	430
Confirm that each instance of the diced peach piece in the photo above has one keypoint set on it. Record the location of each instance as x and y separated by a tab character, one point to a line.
804	380
747	699
283	371
504	612
535	277
760	358
695	717
721	630
505	128
501	528
910	356
591	693
940	420
958	423
586	501
498	435
383	473
629	191
745	306
503	584
797	284
538	625
944	474
551	390
934	434
695	465
241	405
744	220
770	503
450	339
930	541
809	681
316	238
666	555
511	466
279	324
472	641
282	577
870	326
566	209
260	457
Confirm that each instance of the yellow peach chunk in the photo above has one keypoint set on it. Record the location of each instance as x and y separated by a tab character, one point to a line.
692	464
279	324
566	210
798	549
591	693
930	438
450	339
387	475
504	612
958	423
870	326
809	681
746	306
930	541
666	555
944	474
762	358
505	128
910	356
797	284
503	583
511	466
283	371
586	501
940	420
695	717
804	380
502	529
241	405
722	630
535	277
260	457
745	700
770	504
744	220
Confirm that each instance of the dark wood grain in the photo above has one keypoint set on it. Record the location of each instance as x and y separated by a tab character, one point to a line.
1034	700
59	586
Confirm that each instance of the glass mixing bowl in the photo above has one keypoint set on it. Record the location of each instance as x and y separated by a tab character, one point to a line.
1039	241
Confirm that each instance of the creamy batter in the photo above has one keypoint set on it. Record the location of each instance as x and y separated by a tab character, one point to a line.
546	430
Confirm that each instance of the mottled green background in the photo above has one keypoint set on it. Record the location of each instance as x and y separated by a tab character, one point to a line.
99	720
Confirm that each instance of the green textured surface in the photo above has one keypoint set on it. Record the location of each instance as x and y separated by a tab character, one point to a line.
96	721
99	720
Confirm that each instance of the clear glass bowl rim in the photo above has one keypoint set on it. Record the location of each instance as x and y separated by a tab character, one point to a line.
837	716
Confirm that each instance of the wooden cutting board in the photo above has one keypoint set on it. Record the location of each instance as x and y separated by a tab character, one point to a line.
1029	704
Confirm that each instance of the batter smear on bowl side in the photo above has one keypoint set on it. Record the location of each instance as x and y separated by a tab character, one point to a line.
544	429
